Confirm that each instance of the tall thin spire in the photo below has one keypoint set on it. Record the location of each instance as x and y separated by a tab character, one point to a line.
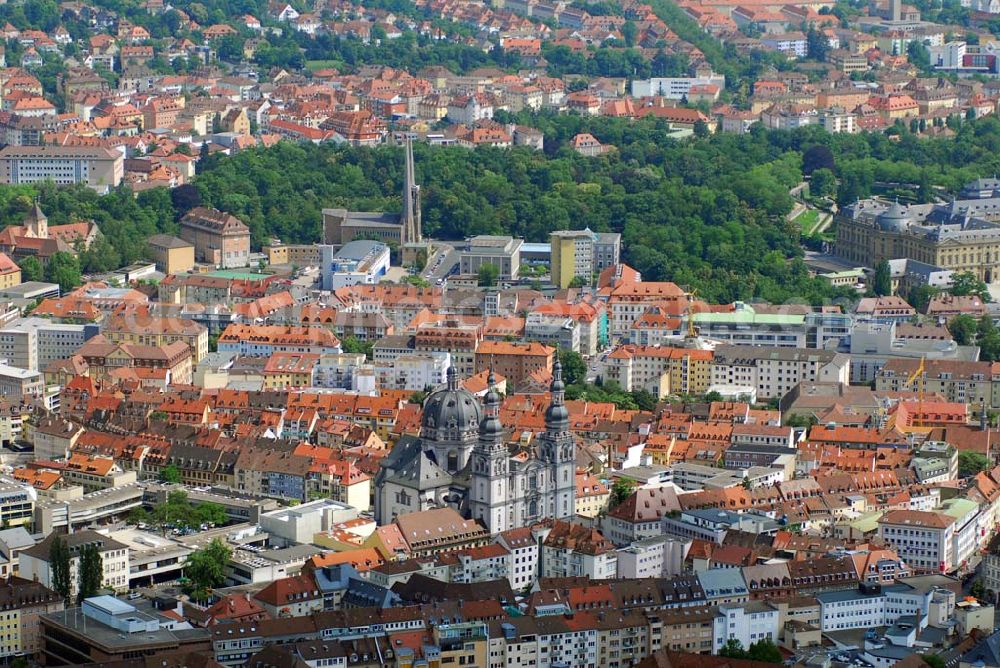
557	415
411	232
405	237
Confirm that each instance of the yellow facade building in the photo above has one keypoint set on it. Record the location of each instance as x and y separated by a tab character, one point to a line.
961	236
171	255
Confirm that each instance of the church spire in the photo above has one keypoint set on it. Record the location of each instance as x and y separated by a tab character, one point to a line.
411	232
452	378
490	429
557	415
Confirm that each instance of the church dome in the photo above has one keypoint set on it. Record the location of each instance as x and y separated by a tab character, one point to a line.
452	408
893	219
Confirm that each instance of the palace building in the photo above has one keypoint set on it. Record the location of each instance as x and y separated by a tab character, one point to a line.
962	235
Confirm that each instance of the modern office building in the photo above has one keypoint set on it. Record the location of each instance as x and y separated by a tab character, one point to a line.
501	251
359	262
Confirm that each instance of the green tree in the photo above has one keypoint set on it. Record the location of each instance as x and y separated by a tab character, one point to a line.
933	660
823	183
170	473
978	589
417	281
816	157
621	490
206	568
139	515
574	368
918	55
963	329
989	346
91	574
488	275
629	32
817	44
882	282
733	649
970	463
59	565
31	269
701	129
765	650
210	513
63	268
645	400
799	421
176	510
966	283
354	345
578	282
920	296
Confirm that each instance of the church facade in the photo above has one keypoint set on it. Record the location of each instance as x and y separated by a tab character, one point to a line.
461	459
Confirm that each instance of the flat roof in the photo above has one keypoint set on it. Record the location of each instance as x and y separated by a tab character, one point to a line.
110	605
238	275
29	288
15	372
111	638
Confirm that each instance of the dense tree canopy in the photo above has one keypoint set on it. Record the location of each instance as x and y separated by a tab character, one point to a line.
707	213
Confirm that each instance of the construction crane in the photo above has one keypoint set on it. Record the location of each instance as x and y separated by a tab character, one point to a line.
920	374
691	332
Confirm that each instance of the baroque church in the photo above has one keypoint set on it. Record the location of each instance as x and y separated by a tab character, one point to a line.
461	459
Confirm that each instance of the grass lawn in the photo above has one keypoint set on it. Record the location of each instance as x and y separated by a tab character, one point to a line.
807	220
313	65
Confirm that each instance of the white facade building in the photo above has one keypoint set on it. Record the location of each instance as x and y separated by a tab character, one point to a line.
360	262
924	540
415	371
674	88
775	371
656	557
747	622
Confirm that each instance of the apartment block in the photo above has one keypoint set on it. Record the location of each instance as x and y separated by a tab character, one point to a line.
97	167
924	540
957	381
582	254
661	370
775	371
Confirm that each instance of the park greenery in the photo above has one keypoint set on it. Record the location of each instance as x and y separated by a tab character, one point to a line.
59	565
968	331
621	490
970	463
178	512
91	573
708	213
90	570
205	569
762	650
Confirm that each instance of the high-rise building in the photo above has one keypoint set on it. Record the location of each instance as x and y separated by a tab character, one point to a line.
582	254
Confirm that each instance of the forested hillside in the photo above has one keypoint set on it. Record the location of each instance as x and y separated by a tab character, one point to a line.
709	213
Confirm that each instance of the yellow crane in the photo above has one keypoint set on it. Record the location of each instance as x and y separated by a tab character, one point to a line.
920	373
691	332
